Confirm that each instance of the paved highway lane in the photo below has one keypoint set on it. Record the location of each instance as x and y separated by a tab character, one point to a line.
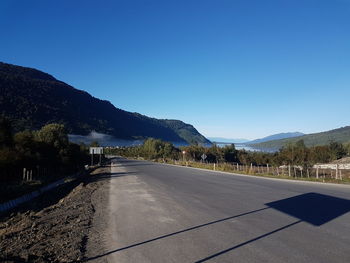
163	213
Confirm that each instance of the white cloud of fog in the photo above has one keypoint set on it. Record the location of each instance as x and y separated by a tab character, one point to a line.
102	139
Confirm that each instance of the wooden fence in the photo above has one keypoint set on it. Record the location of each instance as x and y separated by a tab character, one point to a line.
20	174
320	171
317	171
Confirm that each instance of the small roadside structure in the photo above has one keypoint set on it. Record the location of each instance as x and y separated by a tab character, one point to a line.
340	166
96	150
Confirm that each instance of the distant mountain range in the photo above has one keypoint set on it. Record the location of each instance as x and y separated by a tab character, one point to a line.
226	140
341	135
265	139
278	136
32	98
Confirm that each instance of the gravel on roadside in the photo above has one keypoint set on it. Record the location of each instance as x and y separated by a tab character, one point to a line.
55	226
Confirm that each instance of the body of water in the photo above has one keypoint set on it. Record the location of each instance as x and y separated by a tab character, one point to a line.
108	140
247	147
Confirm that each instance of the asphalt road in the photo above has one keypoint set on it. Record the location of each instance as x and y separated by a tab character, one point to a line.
163	213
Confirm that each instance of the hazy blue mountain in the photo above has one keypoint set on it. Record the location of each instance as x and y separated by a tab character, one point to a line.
278	136
341	135
227	140
31	99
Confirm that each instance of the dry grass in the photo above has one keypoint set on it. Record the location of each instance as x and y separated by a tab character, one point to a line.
328	177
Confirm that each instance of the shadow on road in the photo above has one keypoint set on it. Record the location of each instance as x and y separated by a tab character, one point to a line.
175	233
313	208
247	242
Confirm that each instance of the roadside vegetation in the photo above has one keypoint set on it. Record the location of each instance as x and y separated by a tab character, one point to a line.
294	161
29	159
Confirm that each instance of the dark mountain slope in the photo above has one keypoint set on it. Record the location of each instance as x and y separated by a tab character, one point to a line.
32	99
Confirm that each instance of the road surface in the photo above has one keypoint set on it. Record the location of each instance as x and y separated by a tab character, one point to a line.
163	213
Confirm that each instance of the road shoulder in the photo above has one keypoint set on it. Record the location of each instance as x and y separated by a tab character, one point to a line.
54	227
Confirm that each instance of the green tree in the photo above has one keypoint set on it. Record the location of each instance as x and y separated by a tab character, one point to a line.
337	149
347	148
301	153
152	148
230	153
170	151
320	154
53	134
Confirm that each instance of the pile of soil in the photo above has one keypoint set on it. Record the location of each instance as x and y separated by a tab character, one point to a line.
344	160
53	228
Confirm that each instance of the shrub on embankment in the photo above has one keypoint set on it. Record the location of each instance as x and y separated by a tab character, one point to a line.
31	158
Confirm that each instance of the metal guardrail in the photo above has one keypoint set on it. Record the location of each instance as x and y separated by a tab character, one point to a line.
27	197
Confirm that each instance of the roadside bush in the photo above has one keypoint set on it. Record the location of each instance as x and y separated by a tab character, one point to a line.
46	148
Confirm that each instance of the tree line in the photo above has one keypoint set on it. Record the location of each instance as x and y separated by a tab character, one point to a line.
292	154
47	148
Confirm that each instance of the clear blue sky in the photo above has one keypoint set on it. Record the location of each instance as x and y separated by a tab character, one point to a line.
231	68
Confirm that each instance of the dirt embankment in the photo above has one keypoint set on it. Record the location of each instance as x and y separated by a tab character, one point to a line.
53	228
